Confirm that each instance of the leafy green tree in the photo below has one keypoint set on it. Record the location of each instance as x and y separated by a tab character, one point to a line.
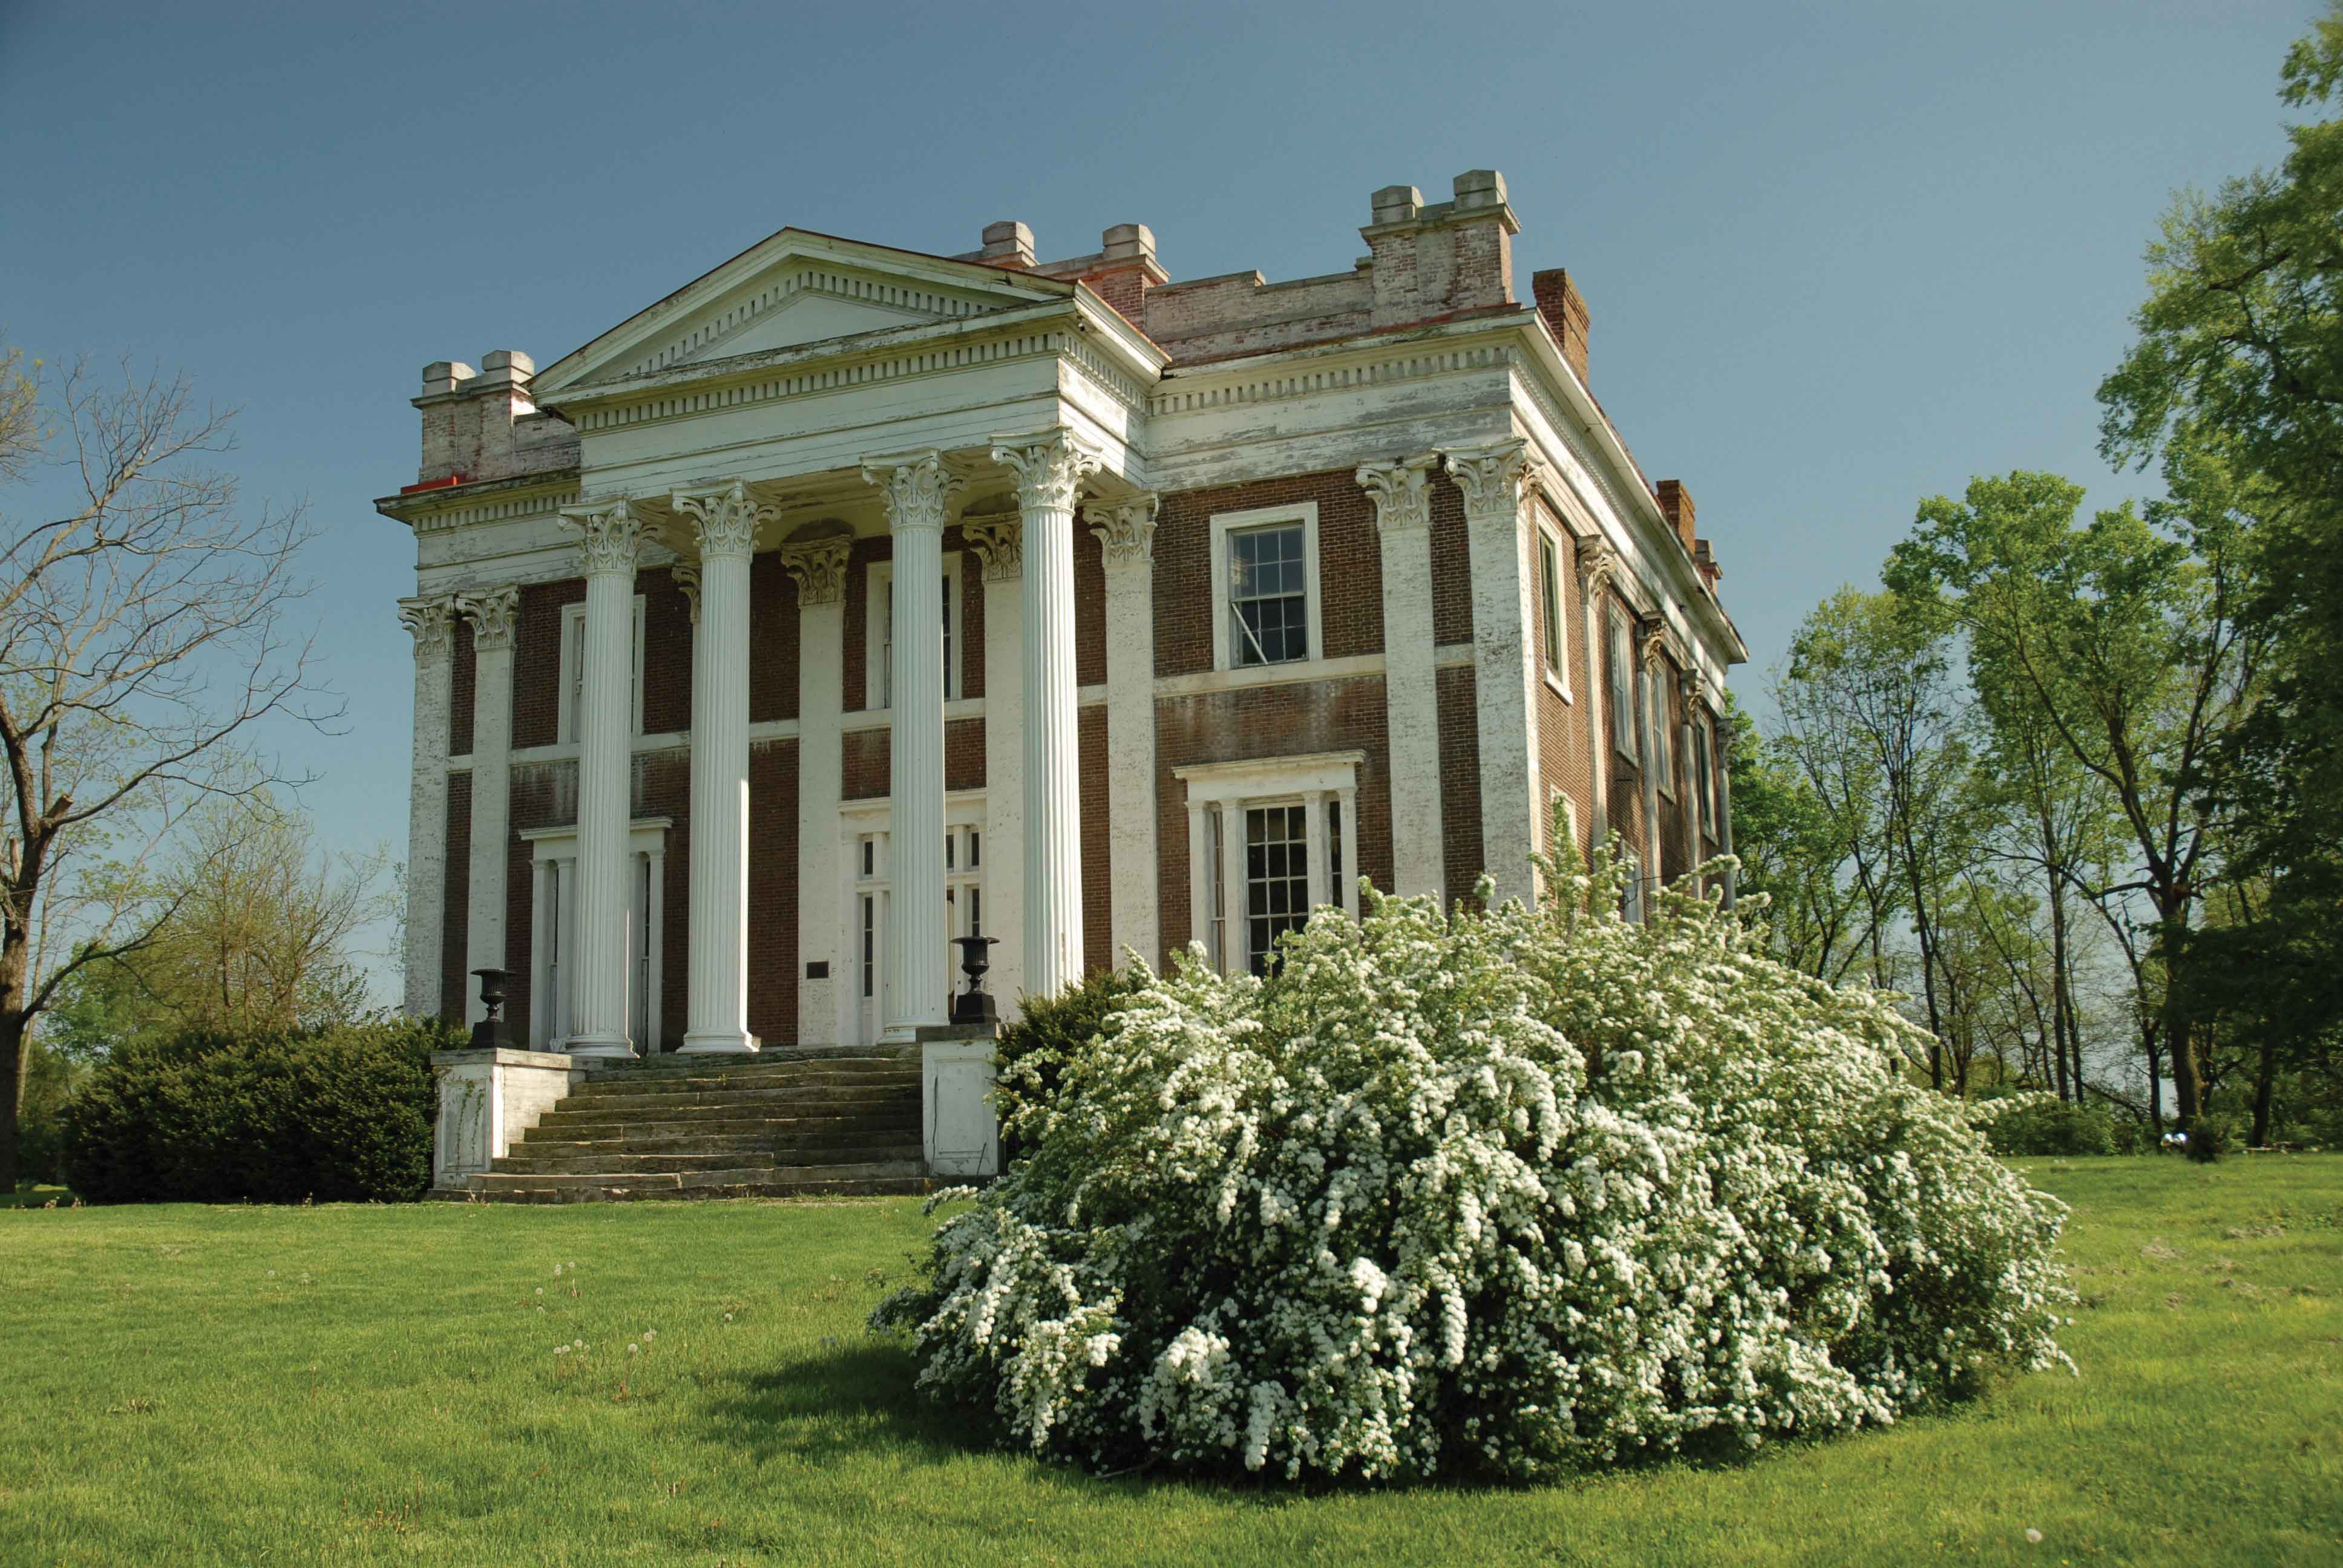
1795	849
2124	639
2241	341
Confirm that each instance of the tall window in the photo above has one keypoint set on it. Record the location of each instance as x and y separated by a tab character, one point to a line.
1704	781
1663	731
1277	879
1269	606
1623	686
1550	601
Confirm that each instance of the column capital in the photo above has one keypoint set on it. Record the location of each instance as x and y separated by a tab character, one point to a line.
431	619
610	535
493	613
917	486
723	518
1401	490
1049	466
1652	641
686	582
1491	477
1126	528
820	568
1597	562
999	543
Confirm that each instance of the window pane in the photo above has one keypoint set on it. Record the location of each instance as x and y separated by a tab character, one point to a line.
1277	885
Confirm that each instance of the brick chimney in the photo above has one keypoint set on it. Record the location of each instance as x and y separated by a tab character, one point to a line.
468	418
1675	501
1126	268
1008	243
1430	261
1704	558
1558	301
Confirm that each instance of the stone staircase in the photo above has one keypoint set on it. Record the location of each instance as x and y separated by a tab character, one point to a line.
780	1124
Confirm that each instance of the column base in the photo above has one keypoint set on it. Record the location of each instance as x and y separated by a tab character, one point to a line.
727	1043
600	1046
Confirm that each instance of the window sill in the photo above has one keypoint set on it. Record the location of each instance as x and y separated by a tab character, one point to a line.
1555	684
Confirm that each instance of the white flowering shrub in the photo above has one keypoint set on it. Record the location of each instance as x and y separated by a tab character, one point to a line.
1494	1194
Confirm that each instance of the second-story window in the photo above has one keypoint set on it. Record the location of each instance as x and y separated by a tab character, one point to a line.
1269	603
1623	686
1550	602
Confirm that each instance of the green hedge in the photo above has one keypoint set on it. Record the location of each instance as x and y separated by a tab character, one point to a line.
341	1115
1033	1051
2055	1128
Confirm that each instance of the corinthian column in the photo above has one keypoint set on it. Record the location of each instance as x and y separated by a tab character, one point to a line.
492	615
1050	466
610	537
1505	674
826	998
1597	562
724	520
1402	496
917	486
426	802
999	543
1127	529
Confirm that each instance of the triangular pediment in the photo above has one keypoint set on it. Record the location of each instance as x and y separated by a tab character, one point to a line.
793	289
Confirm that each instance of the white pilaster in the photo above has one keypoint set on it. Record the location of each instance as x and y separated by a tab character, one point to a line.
1348	893
1313	849
1200	871
426	808
999	543
724	521
1236	942
610	537
1688	775
917	486
1596	564
1504	673
1127	529
1402	498
820	568
1050	466
492	614
1651	639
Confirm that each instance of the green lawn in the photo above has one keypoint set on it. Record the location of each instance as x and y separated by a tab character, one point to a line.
188	1385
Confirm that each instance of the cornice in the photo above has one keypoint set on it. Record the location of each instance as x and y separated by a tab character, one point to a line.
482	500
1065	328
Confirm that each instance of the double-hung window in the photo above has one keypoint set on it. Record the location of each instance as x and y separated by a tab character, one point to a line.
1622	685
1663	730
1550	605
1269	841
1269	603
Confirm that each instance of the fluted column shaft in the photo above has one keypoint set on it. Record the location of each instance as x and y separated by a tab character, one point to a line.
917	487
612	536
492	615
1402	498
1596	564
1050	466
1001	545
1654	843
1505	674
825	1004
1126	529
725	523
426	811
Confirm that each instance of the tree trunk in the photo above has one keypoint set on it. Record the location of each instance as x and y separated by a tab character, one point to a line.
2061	1020
14	958
2155	1075
2265	1085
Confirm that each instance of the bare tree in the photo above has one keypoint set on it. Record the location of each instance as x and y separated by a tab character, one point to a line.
142	635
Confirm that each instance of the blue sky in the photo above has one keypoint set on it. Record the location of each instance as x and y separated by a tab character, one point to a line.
1839	257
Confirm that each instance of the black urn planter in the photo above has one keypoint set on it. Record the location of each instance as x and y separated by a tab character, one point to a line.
974	1005
488	1034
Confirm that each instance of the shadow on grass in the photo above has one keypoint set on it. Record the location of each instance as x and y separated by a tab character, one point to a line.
856	1403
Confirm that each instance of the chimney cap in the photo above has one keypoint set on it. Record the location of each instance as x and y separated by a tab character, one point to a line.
1008	243
1396	203
1127	241
1479	188
446	376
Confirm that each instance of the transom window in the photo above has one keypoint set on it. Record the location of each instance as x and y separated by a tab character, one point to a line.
1269	603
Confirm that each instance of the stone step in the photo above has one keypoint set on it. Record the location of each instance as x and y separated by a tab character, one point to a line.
747	1174
692	1116
563	1126
742	1101
840	1058
729	1160
625	1189
636	1084
755	1138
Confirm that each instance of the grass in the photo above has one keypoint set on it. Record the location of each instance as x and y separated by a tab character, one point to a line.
208	1385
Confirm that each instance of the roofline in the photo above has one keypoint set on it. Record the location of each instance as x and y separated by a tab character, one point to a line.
670	302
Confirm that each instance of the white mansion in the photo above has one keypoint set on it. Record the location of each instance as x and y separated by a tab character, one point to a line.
850	599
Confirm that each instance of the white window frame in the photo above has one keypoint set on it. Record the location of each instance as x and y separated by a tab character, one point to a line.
878	672
1569	815
553	869
1623	677
573	630
1553	602
873	819
1316	781
1223	524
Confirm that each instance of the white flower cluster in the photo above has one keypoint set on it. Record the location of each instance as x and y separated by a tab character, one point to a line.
1498	1193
